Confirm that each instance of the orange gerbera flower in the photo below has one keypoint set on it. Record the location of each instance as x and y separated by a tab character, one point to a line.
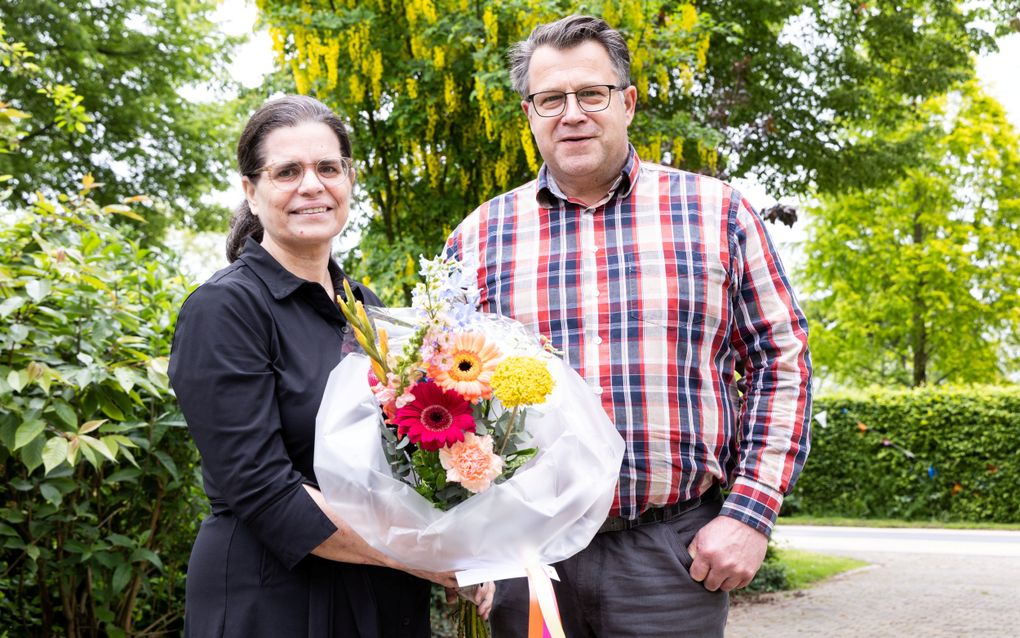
473	361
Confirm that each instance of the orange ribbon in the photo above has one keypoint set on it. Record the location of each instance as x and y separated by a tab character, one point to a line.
543	613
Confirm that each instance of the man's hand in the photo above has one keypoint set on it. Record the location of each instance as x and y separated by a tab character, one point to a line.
481	595
727	554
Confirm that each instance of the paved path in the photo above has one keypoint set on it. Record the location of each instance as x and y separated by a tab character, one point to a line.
916	585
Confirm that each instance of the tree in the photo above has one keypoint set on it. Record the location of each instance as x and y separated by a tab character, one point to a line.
796	91
805	92
918	281
128	62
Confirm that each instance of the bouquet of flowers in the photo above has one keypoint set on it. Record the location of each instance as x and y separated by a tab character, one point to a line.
459	441
455	400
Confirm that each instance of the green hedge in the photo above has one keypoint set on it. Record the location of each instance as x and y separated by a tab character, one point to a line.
100	495
942	453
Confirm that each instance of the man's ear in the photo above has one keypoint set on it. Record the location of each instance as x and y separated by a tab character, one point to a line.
524	106
630	101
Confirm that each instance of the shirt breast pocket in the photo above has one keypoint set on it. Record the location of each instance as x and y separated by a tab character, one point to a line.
668	292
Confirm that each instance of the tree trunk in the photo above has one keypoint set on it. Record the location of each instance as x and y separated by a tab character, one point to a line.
918	327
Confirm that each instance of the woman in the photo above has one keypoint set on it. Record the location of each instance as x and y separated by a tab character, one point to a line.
253	348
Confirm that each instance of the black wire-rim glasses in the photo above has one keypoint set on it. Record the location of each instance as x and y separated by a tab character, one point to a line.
590	99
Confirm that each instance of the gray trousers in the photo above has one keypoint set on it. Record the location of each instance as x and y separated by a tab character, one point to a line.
629	583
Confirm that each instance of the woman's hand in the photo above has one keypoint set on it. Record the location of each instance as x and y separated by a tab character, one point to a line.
346	546
445	579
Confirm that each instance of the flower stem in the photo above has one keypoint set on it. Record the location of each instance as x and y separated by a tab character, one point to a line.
509	431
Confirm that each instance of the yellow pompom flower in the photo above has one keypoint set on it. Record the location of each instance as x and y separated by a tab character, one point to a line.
521	381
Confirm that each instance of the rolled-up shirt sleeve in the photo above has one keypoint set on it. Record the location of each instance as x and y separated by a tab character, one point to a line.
221	369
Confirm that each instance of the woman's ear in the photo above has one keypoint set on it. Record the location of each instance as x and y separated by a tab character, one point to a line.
249	194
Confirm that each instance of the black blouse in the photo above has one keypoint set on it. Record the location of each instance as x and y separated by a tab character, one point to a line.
252	351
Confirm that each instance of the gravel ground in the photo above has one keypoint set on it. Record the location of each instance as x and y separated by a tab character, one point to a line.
927	595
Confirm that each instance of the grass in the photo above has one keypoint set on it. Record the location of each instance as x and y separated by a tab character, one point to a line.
805	568
837	521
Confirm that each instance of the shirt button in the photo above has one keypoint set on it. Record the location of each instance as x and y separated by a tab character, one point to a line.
594	292
597	339
345	329
597	390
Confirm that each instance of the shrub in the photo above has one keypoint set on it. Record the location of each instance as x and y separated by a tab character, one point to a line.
100	496
943	453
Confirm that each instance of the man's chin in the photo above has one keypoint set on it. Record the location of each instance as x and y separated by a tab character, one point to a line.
581	165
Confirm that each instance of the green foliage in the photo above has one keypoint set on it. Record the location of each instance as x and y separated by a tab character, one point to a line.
806	568
99	497
804	90
919	280
128	61
771	575
941	453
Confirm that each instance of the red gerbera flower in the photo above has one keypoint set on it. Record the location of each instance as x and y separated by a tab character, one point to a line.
436	418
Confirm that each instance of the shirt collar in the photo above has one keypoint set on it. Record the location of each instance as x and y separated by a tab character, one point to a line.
280	281
549	194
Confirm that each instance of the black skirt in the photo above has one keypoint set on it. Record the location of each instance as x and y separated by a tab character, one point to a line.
237	587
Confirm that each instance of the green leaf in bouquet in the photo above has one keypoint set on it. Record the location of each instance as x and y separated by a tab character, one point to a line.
451	495
426	490
402	443
517	459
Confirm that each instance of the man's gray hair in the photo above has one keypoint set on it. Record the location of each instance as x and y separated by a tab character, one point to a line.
568	33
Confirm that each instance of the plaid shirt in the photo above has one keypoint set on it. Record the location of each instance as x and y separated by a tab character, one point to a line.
660	296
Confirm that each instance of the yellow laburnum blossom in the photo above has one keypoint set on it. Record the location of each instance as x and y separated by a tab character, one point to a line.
279	37
529	147
356	88
520	381
332	55
688	17
678	151
300	79
663	81
491	23
376	75
450	93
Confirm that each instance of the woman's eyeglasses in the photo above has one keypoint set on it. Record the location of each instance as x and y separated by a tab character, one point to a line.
287	175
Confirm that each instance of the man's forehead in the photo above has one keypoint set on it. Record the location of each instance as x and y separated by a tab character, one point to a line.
586	60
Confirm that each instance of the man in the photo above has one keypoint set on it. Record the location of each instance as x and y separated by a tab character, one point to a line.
662	288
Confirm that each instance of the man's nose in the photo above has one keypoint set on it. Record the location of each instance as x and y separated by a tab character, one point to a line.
572	111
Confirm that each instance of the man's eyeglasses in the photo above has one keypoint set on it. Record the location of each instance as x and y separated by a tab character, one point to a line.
287	175
590	99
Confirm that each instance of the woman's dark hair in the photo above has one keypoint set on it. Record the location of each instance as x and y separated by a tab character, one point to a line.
290	110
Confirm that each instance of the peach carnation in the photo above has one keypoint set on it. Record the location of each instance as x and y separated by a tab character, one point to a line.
471	462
